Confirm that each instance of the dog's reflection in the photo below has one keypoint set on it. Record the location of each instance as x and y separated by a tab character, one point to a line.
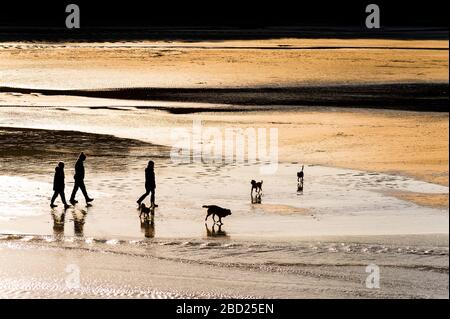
300	187
79	218
256	199
147	219
215	233
58	223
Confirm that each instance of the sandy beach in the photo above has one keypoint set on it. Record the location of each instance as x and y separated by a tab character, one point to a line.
365	117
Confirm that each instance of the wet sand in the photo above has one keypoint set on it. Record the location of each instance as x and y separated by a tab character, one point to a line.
375	187
161	269
316	244
407	143
432	97
227	64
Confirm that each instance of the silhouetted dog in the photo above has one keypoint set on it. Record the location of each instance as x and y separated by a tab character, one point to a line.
145	211
256	186
216	211
301	175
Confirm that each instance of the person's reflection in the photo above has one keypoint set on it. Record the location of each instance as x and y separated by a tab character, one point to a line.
58	224
148	223
79	217
215	233
256	199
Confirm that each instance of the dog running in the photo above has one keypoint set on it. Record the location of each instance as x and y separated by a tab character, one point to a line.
216	211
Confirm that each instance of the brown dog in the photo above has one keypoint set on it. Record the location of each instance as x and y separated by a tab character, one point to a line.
216	211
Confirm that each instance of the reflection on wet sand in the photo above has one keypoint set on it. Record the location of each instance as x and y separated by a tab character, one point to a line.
256	199
215	233
58	224
79	218
148	223
300	187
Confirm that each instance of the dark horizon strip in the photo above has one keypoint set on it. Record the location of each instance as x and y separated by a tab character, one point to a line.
219	34
279	47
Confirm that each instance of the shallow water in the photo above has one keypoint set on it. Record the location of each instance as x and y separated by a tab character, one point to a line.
219	268
275	248
333	202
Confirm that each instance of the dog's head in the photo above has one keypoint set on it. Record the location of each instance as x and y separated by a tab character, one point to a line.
253	182
227	212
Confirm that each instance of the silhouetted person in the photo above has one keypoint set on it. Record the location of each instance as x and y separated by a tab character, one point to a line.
79	180
150	184
58	186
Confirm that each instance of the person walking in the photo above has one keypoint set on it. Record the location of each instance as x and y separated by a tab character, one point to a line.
58	186
79	181
150	184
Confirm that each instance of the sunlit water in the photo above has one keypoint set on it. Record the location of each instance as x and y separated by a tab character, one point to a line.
267	249
333	202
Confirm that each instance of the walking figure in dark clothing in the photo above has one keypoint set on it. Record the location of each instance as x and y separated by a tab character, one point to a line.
79	181
58	186
150	184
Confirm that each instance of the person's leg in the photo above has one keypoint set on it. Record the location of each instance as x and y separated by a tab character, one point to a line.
152	197
63	197
74	192
85	194
139	201
83	189
55	195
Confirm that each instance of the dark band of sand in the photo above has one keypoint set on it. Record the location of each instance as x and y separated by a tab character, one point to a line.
427	97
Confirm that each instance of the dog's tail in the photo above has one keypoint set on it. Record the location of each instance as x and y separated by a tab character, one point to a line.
261	182
206	206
